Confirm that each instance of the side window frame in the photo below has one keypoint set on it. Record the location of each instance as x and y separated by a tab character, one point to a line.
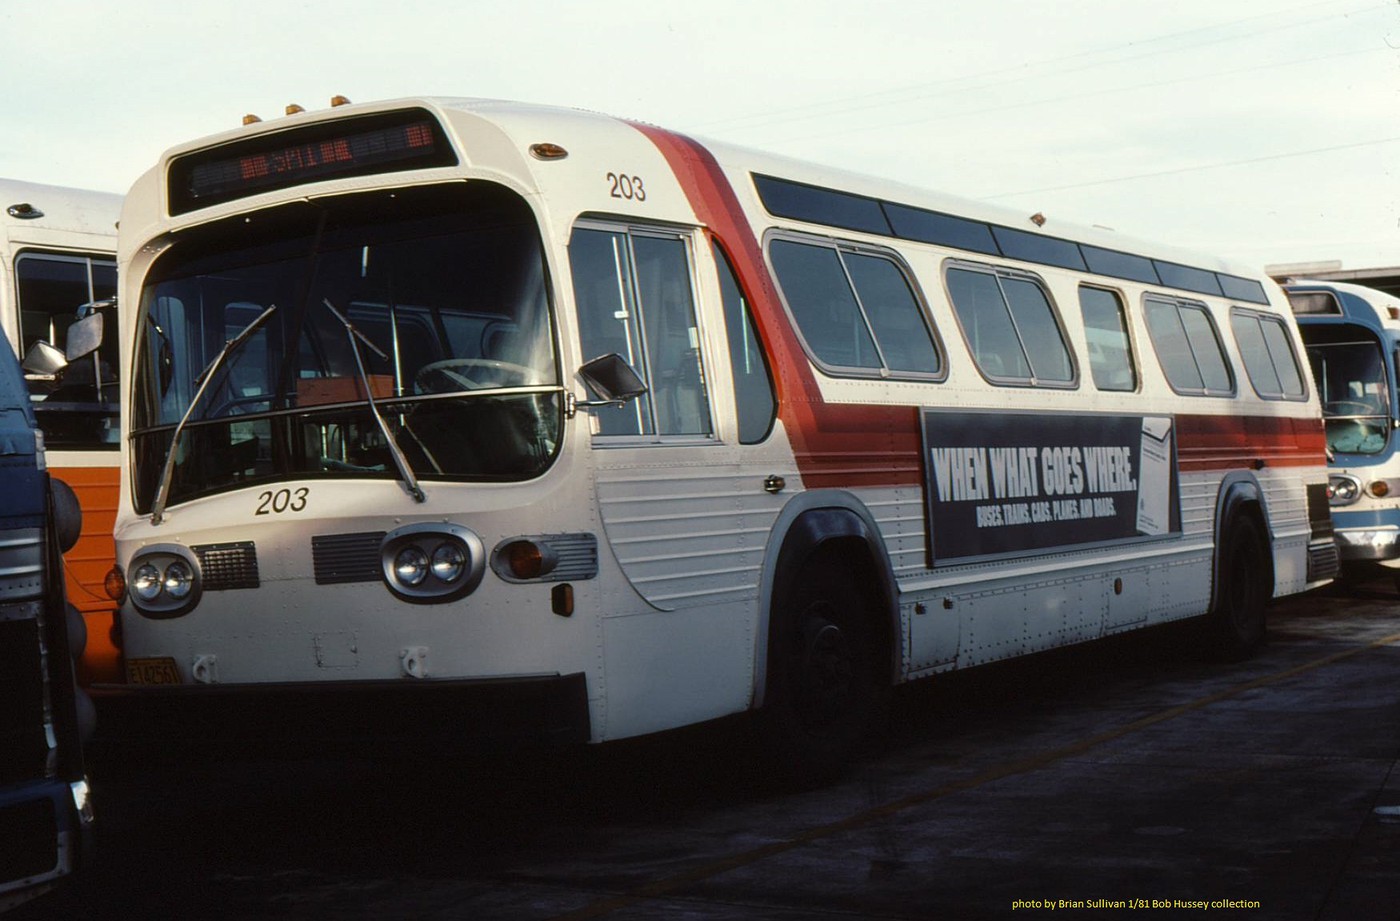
1126	327
650	425
1178	305
752	423
843	248
1260	318
998	274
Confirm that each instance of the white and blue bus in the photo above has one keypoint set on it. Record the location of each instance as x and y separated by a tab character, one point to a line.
1352	334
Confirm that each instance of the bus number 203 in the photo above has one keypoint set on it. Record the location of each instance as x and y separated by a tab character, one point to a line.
282	500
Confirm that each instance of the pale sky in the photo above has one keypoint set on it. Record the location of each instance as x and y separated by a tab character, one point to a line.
1264	130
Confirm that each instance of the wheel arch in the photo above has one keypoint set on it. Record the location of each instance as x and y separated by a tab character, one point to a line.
811	523
1240	494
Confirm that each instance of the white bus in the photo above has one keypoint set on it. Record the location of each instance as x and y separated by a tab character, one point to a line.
58	265
612	431
1352	334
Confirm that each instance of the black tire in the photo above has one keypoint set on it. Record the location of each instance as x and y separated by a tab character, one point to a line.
1236	625
828	690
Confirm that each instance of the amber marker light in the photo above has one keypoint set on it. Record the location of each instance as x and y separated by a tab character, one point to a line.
251	119
548	152
524	558
114	583
1380	489
337	101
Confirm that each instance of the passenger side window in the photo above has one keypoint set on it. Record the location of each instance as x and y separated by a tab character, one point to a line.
856	310
755	401
635	297
1188	347
1106	335
1010	327
1268	355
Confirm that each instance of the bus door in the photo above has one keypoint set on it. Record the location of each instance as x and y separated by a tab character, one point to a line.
679	472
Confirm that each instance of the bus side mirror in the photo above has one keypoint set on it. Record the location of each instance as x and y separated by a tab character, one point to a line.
84	337
612	378
43	361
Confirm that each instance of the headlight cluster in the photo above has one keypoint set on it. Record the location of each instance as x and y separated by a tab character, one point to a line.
164	581
1342	490
431	563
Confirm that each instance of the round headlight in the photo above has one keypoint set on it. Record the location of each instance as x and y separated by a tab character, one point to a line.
179	579
146	582
449	562
411	566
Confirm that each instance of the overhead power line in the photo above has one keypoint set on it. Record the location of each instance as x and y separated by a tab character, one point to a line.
1130	50
1192	169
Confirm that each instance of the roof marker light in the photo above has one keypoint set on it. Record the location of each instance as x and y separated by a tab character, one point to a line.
251	119
339	101
295	109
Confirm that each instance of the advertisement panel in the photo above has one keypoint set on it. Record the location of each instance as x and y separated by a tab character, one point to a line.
1012	483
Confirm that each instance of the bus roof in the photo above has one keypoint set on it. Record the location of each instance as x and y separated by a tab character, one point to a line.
528	123
36	214
1356	302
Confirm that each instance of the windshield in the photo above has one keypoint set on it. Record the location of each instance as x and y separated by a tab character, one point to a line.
1351	378
445	287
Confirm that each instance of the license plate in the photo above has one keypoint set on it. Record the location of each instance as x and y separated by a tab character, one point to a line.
152	671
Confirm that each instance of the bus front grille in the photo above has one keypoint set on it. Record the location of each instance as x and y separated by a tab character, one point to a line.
339	558
228	566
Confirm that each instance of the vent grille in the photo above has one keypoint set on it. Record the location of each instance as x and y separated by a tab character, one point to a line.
578	557
228	566
1323	562
21	564
339	558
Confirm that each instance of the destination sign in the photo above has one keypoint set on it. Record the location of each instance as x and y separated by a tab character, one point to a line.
352	147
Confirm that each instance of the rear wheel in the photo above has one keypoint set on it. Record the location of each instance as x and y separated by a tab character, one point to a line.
827	686
1236	625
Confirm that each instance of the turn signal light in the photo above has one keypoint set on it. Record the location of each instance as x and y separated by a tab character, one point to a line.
1380	489
114	584
525	558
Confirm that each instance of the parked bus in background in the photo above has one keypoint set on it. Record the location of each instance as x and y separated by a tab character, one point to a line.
1352	334
45	815
58	260
610	431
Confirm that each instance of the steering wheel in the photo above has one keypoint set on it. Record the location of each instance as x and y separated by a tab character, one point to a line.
1350	408
455	374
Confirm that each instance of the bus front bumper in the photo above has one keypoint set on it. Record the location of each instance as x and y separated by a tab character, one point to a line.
1368	544
378	716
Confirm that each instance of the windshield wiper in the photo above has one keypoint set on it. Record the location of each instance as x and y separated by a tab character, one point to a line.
410	482
167	473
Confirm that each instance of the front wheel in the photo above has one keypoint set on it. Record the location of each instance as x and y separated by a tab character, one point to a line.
827	685
1236	625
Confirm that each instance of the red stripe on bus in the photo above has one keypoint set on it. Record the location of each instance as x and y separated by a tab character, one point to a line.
840	445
